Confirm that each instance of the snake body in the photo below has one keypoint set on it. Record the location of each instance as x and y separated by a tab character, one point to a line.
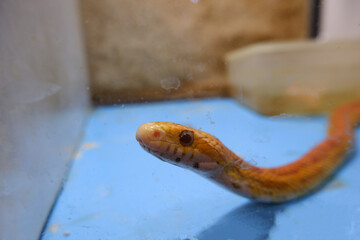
205	154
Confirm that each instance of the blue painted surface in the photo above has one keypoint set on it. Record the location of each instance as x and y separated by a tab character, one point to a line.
115	190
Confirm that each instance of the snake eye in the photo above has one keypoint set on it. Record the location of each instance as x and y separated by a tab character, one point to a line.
186	138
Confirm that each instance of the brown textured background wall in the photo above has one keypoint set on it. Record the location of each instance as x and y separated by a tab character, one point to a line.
160	49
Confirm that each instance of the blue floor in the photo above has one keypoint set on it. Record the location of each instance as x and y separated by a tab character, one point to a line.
116	190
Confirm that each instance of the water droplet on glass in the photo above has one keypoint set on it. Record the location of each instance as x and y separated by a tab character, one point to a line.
248	164
170	83
201	67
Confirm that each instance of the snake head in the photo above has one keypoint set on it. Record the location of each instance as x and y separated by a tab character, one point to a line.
182	146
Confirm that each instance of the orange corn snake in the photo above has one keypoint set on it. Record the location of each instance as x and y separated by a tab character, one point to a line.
205	154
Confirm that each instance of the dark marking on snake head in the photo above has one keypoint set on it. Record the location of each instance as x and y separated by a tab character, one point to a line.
196	165
175	151
167	148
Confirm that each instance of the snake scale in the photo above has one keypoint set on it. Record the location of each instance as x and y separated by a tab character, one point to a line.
205	154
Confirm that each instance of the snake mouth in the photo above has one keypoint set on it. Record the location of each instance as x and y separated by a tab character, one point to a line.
200	167
149	150
144	147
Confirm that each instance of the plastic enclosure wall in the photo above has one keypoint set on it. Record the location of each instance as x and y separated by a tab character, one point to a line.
43	105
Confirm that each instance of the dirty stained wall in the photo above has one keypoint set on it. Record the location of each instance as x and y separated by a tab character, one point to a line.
149	50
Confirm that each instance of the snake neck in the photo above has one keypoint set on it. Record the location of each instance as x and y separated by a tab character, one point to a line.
237	175
289	181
